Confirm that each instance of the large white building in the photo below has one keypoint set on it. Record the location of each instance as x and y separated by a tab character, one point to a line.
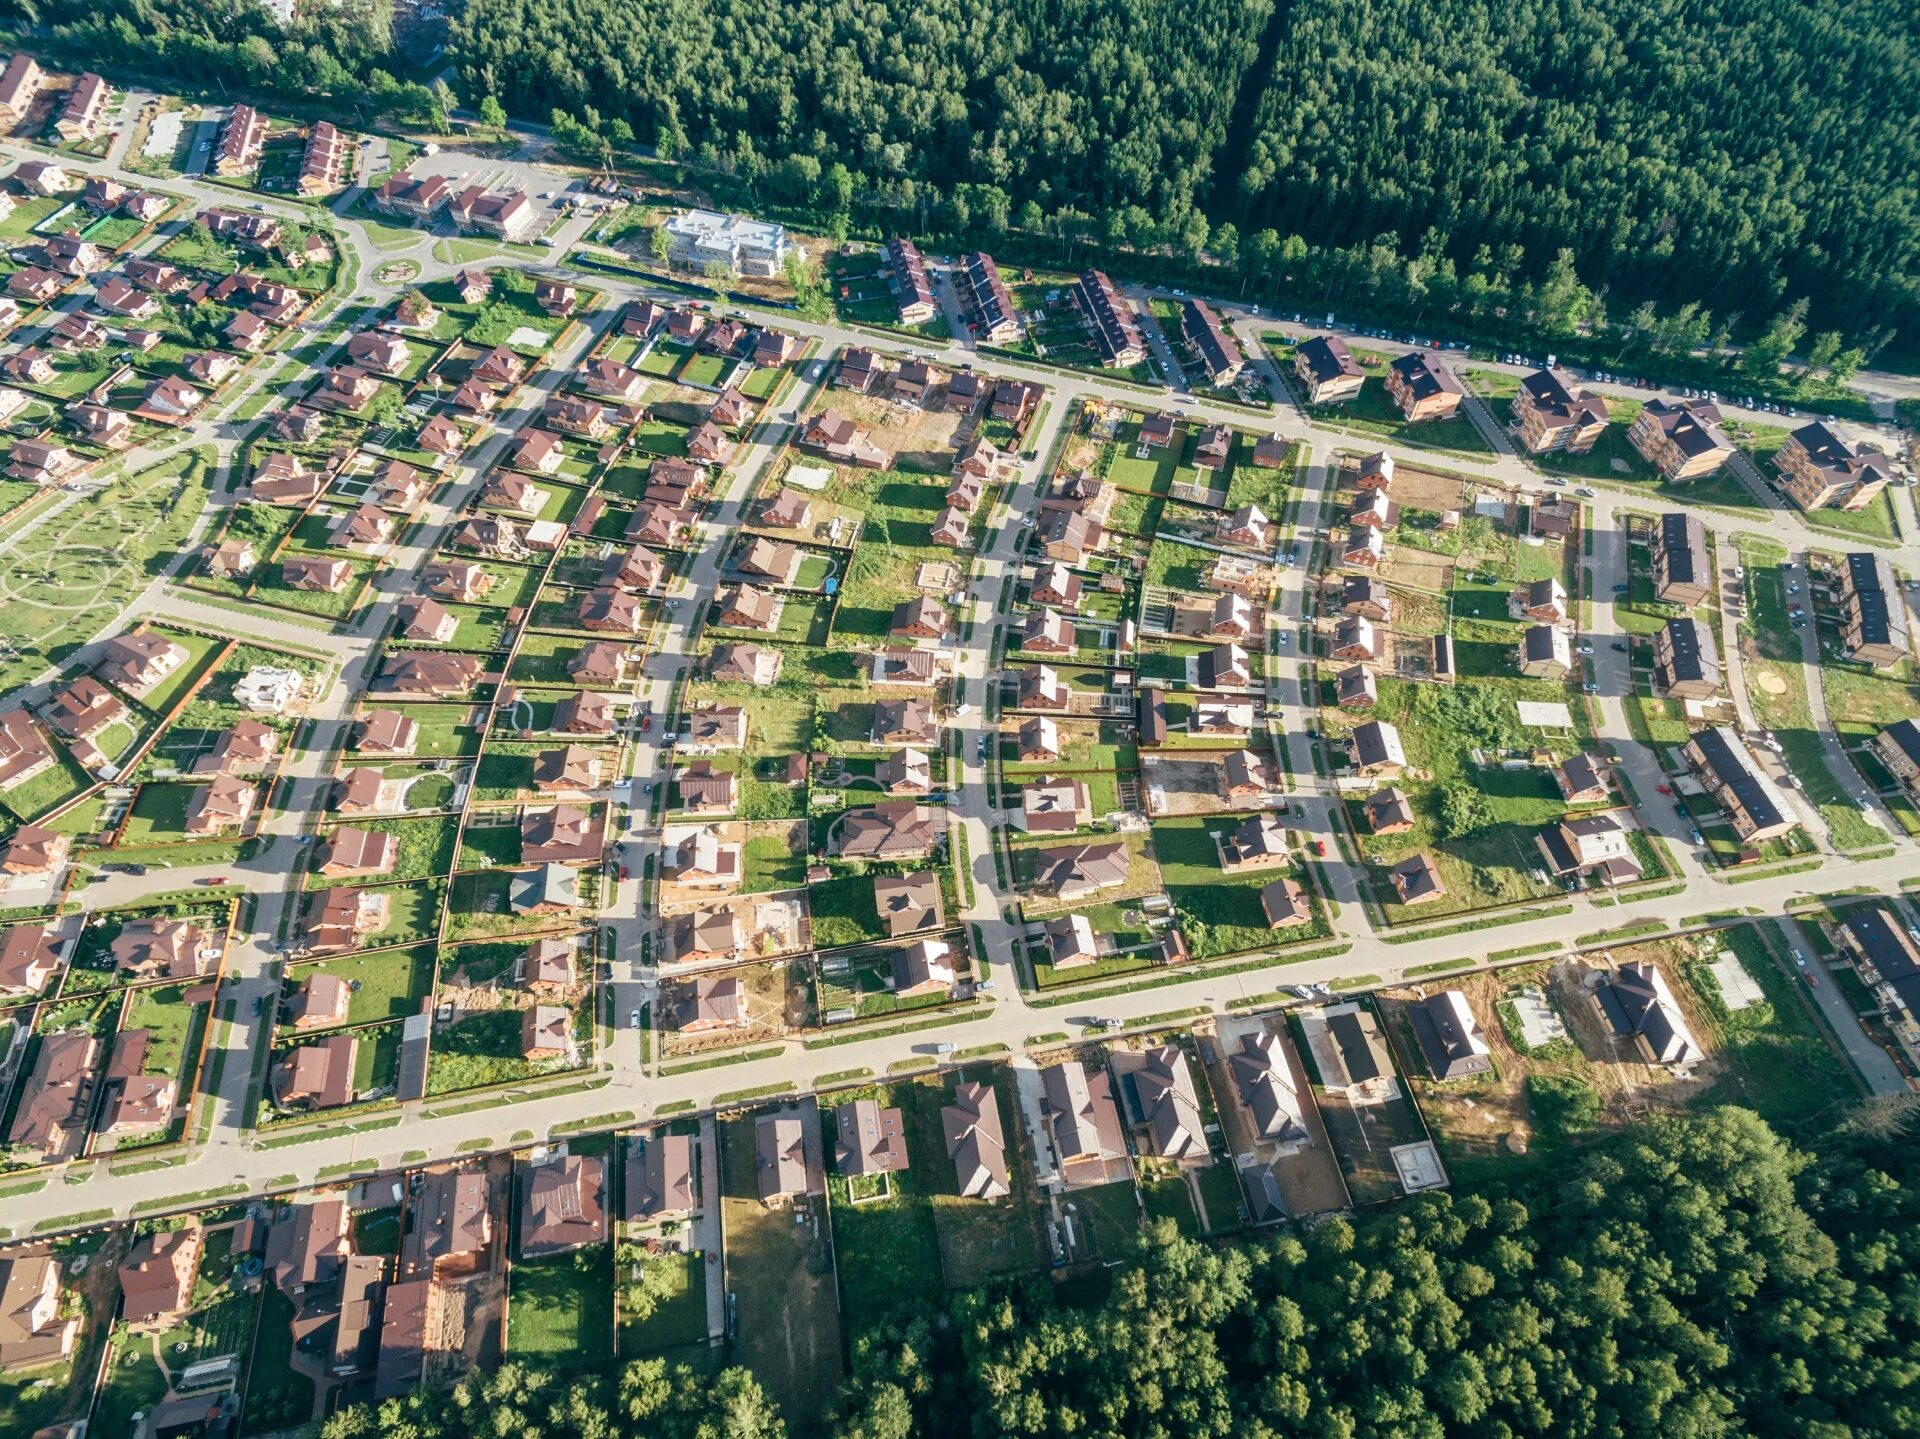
745	247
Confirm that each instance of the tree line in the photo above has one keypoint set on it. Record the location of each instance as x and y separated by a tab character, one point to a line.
1570	169
1690	1278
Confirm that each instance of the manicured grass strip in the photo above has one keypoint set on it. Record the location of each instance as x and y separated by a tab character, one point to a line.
597	1121
962	1018
1630	931
743	1056
1485	921
72	1221
187	1201
841	1076
737	1096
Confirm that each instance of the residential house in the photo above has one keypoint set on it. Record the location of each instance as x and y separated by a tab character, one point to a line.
1076	872
1355	638
31	849
1735	782
698	238
318	1075
1873	611
1898	746
1682	572
1159	1091
563	1204
165	949
1545	653
1552	414
19	85
51	1111
1682	440
660	1182
323	160
1638	1006
868	1140
784	1159
1285	903
1376	750
1685	663
1416	880
907	276
546	1031
1591	844
1818	469
907	721
243	138
1055	806
1328	370
1423	388
1210	342
29	954
226	803
841	440
157	1273
989	307
1389	811
1245	526
1110	321
83	110
1365	548
1583	779
137	661
976	1142
891	830
1449	1037
1356	689
908	903
1082	1121
34	1332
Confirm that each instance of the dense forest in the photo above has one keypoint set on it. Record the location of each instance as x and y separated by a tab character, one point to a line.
1692	1278
1735	156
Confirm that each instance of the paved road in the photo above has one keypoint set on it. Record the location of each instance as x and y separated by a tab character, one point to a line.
1012	1016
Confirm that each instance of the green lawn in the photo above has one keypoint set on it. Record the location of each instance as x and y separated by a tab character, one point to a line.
484	1049
560	1309
425	850
1780	1063
389	984
679	1318
278	1397
1219	913
887	1248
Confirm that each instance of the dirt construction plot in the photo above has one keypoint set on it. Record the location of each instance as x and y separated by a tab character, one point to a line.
1485	1118
1308	1179
918	439
1183	786
777	998
1424	490
1408	568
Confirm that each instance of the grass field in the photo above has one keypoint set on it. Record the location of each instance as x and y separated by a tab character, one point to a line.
388	984
75	571
979	1239
887	1249
560	1308
781	1275
1220	913
679	1319
483	1049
